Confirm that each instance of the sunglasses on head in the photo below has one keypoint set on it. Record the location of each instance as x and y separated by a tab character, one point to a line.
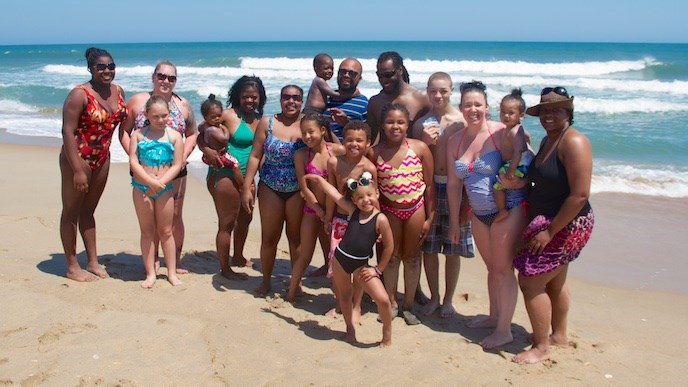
102	66
558	90
351	73
465	86
386	74
162	77
295	97
364	180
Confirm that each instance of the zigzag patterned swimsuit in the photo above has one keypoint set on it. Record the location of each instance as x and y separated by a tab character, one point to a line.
404	185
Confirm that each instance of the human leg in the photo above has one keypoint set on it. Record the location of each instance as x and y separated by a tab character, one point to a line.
342	281
164	216
72	201
503	237
539	307
559	295
324	240
240	234
376	290
178	192
391	276
293	217
451	279
272	217
500	202
226	199
145	212
310	228
481	234
87	221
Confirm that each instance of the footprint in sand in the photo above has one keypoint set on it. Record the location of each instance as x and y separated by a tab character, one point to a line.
54	334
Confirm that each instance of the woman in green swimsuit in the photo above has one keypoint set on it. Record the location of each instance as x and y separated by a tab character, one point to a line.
246	99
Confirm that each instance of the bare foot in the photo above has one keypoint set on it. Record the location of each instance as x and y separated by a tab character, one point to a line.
429	308
447	311
496	340
241	262
559	340
156	265
420	298
531	356
350	337
148	282
233	275
80	275
179	269
485	322
356	315
262	290
331	313
174	280
501	215
98	270
319	272
385	343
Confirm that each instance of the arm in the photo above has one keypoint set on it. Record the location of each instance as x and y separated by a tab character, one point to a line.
332	192
127	126
247	199
423	152
326	90
454	188
137	171
73	106
178	161
518	142
191	133
300	160
576	154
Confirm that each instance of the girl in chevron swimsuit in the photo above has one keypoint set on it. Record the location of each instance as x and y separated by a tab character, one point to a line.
404	170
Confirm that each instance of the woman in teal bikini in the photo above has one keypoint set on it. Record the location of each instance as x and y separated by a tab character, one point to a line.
246	102
277	138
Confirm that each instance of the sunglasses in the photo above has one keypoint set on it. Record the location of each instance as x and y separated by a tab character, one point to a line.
386	74
558	90
295	97
363	181
351	73
465	86
162	77
102	66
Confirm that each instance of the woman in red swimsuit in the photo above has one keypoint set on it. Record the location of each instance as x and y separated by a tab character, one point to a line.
90	115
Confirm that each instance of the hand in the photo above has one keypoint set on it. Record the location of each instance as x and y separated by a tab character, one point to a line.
511	182
155	187
81	181
424	231
430	134
367	273
454	234
213	157
247	200
536	245
327	225
319	212
338	116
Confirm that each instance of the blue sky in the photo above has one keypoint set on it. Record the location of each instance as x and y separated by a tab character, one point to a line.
127	21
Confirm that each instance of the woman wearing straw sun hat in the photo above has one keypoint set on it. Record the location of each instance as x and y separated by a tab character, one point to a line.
561	221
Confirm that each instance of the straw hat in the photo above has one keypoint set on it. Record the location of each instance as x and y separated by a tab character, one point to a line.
551	99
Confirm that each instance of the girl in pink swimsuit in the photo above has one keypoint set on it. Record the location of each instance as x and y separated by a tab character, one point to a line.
312	159
407	197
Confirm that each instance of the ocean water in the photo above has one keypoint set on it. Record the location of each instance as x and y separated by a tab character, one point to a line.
631	100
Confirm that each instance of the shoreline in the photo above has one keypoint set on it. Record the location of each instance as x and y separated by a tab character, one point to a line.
211	331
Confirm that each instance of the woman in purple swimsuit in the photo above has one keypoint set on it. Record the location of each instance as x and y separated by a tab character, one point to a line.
561	221
473	154
277	139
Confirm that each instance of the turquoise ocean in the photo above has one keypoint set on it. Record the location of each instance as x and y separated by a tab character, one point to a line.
631	100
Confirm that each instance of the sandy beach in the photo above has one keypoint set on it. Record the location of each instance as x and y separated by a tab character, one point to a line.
627	321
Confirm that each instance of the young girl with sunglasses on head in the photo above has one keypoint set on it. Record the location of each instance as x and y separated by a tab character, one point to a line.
366	225
405	178
155	157
312	159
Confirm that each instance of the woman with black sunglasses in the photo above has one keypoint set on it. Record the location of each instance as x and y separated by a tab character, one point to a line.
561	221
181	119
91	113
474	156
276	140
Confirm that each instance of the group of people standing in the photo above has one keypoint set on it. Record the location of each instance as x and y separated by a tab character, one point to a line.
411	175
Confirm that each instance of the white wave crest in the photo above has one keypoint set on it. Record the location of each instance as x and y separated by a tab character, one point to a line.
12	106
669	182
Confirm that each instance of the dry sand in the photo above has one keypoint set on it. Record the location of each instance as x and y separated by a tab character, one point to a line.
211	331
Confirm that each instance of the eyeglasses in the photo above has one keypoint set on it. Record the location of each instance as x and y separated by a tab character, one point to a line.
558	90
162	77
465	86
364	180
102	66
295	97
386	74
351	73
